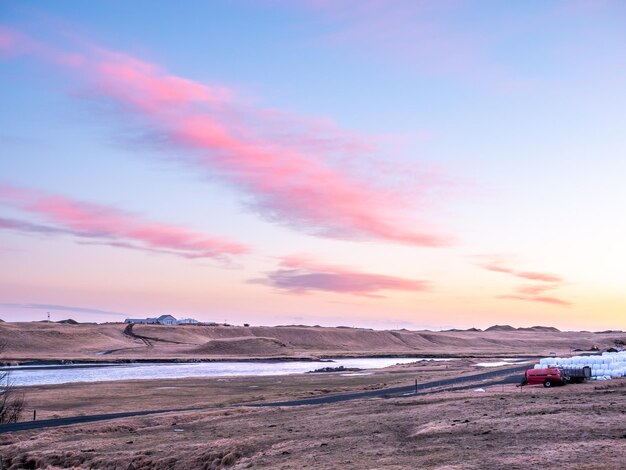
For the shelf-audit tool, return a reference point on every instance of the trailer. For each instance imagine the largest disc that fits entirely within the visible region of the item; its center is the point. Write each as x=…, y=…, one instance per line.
x=551, y=376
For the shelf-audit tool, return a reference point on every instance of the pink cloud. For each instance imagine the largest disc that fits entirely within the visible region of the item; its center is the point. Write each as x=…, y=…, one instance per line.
x=293, y=170
x=551, y=300
x=535, y=290
x=534, y=276
x=538, y=298
x=530, y=293
x=146, y=87
x=110, y=226
x=300, y=275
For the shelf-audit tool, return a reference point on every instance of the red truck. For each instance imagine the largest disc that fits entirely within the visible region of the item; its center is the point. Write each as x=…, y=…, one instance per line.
x=551, y=376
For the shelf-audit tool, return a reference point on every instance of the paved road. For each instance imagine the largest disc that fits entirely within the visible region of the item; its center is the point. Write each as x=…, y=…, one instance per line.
x=423, y=388
x=454, y=383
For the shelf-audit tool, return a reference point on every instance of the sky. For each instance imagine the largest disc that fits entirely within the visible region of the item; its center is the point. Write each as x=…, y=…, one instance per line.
x=380, y=164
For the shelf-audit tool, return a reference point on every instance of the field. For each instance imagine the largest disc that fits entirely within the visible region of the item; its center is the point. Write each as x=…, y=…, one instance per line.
x=577, y=426
x=481, y=426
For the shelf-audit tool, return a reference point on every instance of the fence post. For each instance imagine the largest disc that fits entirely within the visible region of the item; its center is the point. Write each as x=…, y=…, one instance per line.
x=415, y=391
x=34, y=419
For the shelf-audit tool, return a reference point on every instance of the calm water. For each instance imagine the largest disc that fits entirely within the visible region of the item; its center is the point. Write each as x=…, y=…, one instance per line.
x=38, y=375
x=500, y=363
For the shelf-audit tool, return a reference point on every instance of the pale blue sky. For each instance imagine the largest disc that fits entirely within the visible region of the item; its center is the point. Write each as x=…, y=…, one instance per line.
x=513, y=111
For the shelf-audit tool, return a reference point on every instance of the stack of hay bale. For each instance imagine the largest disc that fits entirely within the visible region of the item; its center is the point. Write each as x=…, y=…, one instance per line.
x=609, y=365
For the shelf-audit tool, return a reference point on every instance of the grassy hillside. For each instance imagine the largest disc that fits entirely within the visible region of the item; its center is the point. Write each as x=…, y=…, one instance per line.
x=46, y=341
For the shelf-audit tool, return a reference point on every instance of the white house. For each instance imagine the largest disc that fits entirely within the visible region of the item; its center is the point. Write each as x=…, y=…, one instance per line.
x=187, y=321
x=166, y=320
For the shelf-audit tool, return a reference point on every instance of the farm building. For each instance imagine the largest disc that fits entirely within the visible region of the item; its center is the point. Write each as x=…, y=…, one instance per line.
x=166, y=320
x=150, y=321
x=162, y=320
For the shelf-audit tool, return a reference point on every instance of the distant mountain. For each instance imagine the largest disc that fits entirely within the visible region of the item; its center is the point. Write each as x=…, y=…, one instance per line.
x=501, y=328
x=546, y=329
x=550, y=329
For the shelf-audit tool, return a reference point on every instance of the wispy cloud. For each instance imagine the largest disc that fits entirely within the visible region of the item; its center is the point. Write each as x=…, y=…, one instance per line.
x=300, y=275
x=537, y=298
x=109, y=226
x=529, y=292
x=536, y=289
x=29, y=227
x=65, y=308
x=290, y=167
x=531, y=275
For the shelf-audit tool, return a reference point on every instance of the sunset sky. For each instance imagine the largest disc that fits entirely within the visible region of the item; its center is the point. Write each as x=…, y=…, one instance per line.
x=384, y=164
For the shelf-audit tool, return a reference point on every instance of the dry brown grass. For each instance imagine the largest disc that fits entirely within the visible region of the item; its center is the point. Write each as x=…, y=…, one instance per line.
x=569, y=427
x=578, y=426
x=46, y=341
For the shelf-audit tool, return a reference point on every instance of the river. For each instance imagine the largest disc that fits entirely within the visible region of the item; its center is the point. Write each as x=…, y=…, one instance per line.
x=47, y=375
